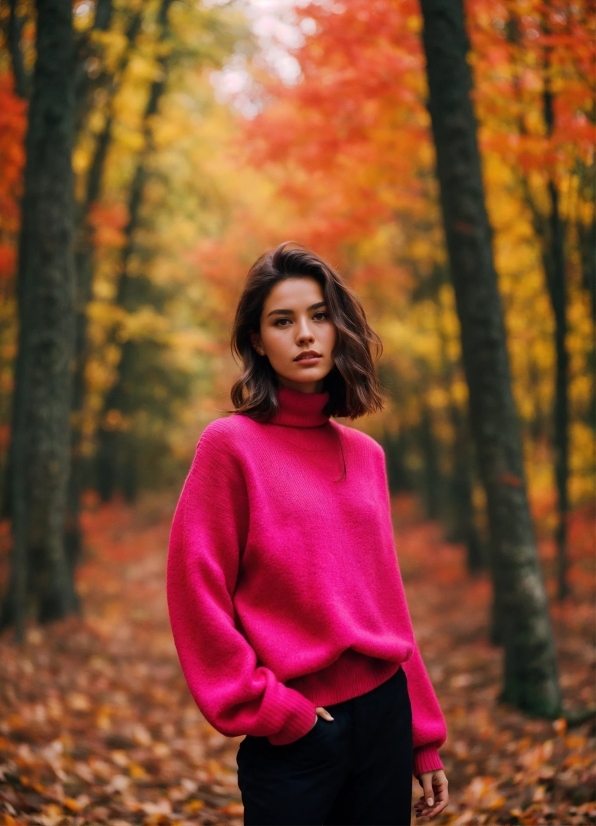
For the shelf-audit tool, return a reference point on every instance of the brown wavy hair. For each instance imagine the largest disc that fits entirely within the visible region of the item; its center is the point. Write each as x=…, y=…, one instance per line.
x=353, y=384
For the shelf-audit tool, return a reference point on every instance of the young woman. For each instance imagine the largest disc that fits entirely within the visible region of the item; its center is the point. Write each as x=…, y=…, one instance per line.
x=285, y=596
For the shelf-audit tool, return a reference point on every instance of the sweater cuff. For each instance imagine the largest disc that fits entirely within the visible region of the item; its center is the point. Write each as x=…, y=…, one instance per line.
x=426, y=759
x=299, y=724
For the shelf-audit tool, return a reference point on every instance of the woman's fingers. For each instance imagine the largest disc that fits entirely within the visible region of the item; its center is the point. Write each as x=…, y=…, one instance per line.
x=435, y=795
x=322, y=712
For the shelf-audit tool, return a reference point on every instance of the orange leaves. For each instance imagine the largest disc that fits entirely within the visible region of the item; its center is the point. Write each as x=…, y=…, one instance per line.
x=482, y=794
x=13, y=123
x=102, y=728
x=8, y=257
x=356, y=118
x=108, y=222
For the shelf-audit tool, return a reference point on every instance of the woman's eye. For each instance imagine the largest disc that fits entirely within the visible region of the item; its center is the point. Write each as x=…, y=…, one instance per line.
x=321, y=316
x=281, y=322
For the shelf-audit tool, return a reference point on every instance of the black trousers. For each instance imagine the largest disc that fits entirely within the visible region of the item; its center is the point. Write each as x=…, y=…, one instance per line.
x=354, y=770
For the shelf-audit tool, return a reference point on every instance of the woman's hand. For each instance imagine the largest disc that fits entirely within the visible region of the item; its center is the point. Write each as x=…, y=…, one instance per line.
x=322, y=712
x=435, y=795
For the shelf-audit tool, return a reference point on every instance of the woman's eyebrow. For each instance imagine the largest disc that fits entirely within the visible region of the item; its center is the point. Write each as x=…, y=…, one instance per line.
x=291, y=312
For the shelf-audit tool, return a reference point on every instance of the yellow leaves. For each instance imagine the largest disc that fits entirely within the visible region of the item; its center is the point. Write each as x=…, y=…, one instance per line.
x=233, y=809
x=136, y=771
x=96, y=121
x=103, y=719
x=141, y=736
x=112, y=39
x=193, y=806
x=536, y=757
x=113, y=43
x=128, y=139
x=145, y=323
x=459, y=392
x=438, y=398
x=144, y=69
x=71, y=804
x=114, y=420
x=166, y=133
x=80, y=159
x=482, y=794
x=575, y=741
x=52, y=815
x=78, y=702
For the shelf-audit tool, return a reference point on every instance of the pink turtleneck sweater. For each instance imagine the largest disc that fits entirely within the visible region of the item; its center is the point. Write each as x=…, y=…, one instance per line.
x=283, y=584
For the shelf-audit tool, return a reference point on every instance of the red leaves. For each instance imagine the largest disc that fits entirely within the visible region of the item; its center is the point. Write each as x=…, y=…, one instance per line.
x=13, y=123
x=108, y=222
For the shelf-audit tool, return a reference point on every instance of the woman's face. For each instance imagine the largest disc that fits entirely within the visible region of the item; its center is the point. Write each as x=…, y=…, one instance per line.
x=295, y=324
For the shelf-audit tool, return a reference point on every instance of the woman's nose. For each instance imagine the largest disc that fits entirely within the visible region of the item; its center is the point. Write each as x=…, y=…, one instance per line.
x=304, y=332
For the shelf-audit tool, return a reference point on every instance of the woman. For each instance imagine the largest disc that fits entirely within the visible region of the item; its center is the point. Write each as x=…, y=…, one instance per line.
x=285, y=596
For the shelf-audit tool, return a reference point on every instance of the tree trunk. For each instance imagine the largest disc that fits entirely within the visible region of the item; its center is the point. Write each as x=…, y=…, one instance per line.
x=84, y=265
x=114, y=447
x=587, y=249
x=41, y=580
x=530, y=680
x=431, y=470
x=555, y=276
x=461, y=488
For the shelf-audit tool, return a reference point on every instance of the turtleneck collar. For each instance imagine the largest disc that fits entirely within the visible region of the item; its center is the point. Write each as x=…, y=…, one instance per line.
x=298, y=409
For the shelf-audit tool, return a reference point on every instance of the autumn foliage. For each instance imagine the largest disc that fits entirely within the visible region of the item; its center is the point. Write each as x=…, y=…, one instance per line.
x=13, y=112
x=96, y=723
x=98, y=726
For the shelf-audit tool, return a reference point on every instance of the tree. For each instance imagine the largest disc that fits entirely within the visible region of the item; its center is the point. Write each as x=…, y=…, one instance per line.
x=41, y=580
x=84, y=261
x=530, y=680
x=116, y=465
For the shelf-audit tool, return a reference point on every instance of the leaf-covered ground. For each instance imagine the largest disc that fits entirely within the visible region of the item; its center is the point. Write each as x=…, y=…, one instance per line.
x=97, y=725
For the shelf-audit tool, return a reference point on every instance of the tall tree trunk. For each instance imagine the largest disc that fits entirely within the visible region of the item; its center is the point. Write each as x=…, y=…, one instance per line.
x=587, y=250
x=41, y=581
x=460, y=518
x=550, y=231
x=113, y=448
x=555, y=276
x=431, y=470
x=462, y=505
x=530, y=679
x=84, y=265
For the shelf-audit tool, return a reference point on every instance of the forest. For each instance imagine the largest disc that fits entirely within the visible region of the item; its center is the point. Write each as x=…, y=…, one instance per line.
x=440, y=154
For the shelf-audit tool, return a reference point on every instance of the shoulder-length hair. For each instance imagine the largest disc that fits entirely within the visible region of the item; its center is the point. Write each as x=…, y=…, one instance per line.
x=353, y=384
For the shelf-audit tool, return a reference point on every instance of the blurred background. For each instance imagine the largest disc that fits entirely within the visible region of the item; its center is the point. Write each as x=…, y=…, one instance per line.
x=200, y=134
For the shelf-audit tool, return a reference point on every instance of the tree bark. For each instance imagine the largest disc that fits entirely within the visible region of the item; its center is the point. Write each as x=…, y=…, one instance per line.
x=530, y=678
x=555, y=276
x=41, y=582
x=461, y=489
x=431, y=472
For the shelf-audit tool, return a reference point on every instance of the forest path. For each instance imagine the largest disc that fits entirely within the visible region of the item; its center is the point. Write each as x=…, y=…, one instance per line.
x=97, y=725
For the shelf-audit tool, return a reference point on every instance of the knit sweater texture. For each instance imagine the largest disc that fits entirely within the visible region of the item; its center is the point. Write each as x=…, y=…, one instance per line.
x=283, y=584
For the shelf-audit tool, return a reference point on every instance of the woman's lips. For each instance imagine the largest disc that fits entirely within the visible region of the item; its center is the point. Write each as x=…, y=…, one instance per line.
x=307, y=360
x=309, y=357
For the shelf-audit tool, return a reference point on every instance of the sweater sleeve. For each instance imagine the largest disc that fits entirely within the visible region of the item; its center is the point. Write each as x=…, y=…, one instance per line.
x=235, y=694
x=428, y=723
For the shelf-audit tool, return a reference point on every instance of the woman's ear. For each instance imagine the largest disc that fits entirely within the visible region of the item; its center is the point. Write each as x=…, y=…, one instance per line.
x=255, y=339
